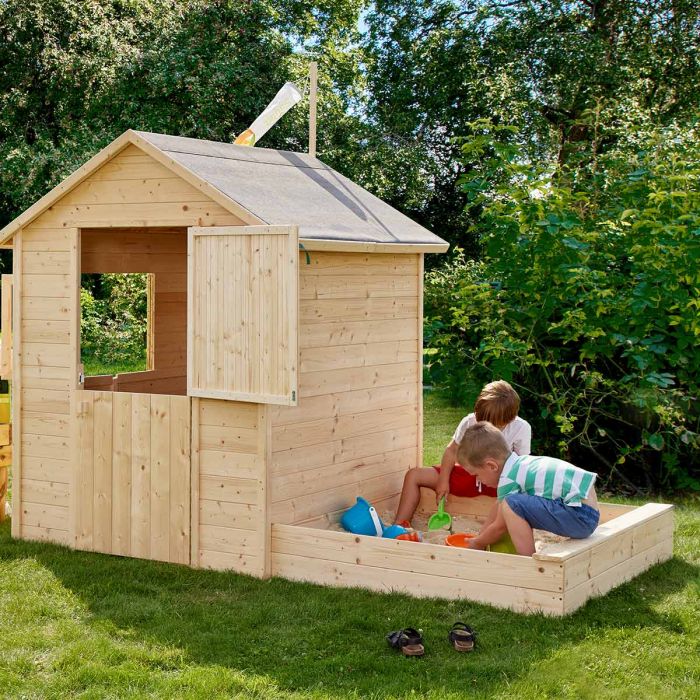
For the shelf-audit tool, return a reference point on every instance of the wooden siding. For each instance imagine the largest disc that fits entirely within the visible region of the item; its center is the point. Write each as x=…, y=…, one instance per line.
x=243, y=314
x=45, y=369
x=229, y=495
x=131, y=475
x=130, y=190
x=356, y=429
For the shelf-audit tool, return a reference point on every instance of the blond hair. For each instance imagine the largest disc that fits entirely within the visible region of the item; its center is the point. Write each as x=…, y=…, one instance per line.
x=498, y=403
x=482, y=441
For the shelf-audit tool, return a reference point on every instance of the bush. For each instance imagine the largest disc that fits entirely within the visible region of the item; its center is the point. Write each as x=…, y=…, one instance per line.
x=587, y=300
x=114, y=322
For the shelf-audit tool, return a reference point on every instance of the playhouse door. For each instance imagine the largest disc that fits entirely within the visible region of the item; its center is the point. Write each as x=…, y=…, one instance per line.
x=131, y=479
x=242, y=310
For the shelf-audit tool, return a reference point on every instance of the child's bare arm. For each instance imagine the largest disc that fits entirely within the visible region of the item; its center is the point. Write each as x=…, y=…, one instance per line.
x=449, y=458
x=490, y=532
x=491, y=516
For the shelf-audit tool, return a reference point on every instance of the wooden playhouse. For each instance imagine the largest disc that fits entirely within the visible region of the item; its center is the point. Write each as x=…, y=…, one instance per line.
x=284, y=379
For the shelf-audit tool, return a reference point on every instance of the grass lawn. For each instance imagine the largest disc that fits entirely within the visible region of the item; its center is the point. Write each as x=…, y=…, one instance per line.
x=87, y=625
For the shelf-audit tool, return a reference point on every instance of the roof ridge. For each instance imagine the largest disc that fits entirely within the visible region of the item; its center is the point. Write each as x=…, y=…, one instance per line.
x=323, y=165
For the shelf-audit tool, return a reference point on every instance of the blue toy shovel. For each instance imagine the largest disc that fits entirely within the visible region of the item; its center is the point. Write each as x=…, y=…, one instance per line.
x=441, y=519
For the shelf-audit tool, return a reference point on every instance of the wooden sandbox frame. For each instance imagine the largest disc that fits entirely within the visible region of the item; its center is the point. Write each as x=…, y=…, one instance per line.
x=555, y=582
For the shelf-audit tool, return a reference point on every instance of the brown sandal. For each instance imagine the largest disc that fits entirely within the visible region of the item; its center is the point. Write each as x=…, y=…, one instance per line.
x=408, y=640
x=462, y=637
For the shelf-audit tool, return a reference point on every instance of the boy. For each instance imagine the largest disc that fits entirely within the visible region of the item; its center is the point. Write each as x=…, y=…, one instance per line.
x=497, y=403
x=533, y=492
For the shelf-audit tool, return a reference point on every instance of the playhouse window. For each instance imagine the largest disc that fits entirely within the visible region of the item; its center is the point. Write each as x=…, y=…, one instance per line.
x=115, y=318
x=134, y=309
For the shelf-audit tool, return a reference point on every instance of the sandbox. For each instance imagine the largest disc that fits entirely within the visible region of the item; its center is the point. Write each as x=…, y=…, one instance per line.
x=557, y=580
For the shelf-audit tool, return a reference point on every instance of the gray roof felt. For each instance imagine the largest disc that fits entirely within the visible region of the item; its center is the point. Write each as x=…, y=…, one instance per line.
x=282, y=187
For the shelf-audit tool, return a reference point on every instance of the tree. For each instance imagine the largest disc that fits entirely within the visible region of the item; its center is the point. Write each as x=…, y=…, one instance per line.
x=549, y=66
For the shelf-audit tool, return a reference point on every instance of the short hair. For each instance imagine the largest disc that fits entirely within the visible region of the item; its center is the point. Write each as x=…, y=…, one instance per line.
x=498, y=403
x=482, y=441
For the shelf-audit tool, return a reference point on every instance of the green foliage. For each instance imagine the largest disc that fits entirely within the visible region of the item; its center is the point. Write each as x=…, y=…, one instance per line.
x=113, y=322
x=434, y=66
x=76, y=74
x=587, y=299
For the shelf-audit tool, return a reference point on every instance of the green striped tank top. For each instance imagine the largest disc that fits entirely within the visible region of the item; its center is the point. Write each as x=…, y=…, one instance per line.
x=545, y=476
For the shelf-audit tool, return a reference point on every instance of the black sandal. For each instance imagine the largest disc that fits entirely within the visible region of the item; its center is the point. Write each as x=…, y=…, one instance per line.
x=408, y=640
x=462, y=637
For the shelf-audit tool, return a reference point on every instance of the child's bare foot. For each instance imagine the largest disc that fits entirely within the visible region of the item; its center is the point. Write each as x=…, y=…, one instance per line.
x=475, y=544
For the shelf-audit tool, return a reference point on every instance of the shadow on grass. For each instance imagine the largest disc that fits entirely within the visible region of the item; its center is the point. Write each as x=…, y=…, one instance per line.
x=311, y=638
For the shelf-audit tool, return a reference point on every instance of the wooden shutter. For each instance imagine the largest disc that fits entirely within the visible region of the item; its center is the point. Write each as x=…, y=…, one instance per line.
x=242, y=313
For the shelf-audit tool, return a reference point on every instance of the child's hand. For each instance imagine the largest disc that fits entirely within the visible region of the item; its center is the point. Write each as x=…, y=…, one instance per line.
x=442, y=489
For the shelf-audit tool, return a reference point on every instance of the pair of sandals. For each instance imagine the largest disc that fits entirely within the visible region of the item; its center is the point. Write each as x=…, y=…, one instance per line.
x=410, y=641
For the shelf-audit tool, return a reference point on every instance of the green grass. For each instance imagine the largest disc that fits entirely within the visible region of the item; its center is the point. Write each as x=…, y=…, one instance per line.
x=74, y=624
x=94, y=367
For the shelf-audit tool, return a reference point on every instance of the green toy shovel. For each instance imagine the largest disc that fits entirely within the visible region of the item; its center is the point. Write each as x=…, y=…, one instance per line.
x=440, y=520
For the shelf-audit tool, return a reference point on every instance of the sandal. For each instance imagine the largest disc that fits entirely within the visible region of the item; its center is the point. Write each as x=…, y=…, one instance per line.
x=408, y=640
x=462, y=637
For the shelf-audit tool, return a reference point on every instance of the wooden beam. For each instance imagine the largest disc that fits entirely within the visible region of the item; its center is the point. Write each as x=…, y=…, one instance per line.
x=370, y=247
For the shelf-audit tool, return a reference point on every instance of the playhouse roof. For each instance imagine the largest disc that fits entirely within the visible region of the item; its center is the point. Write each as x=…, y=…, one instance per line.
x=268, y=186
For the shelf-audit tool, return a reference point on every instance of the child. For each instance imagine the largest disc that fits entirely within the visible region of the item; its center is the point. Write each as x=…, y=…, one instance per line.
x=497, y=403
x=533, y=492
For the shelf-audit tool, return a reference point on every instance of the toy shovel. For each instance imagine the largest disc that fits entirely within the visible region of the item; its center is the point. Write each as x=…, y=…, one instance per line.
x=441, y=519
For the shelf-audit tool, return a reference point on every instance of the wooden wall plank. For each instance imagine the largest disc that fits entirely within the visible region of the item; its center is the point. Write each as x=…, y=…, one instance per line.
x=361, y=355
x=235, y=464
x=83, y=482
x=322, y=431
x=140, y=475
x=230, y=489
x=160, y=478
x=40, y=515
x=338, y=264
x=45, y=445
x=358, y=286
x=437, y=560
x=52, y=493
x=179, y=515
x=48, y=469
x=224, y=561
x=102, y=466
x=302, y=458
x=342, y=333
x=40, y=354
x=46, y=534
x=195, y=498
x=242, y=516
x=324, y=310
x=121, y=474
x=187, y=213
x=338, y=380
x=518, y=598
x=46, y=308
x=230, y=540
x=46, y=331
x=55, y=424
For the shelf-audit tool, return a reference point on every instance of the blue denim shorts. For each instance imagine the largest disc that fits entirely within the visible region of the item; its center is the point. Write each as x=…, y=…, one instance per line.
x=554, y=516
